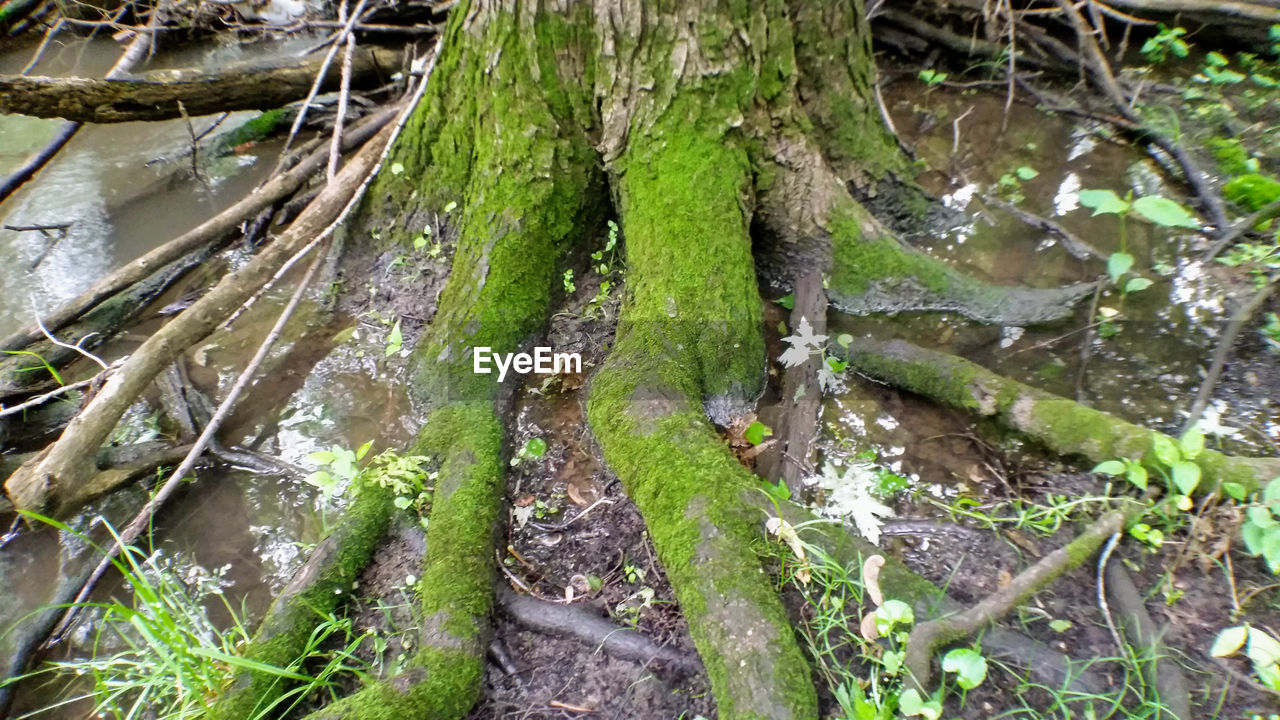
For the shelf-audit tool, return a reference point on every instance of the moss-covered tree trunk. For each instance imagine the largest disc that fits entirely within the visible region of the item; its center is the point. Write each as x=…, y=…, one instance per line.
x=697, y=122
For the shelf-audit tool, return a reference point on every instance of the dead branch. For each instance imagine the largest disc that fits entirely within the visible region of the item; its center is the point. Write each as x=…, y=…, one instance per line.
x=155, y=95
x=62, y=470
x=929, y=636
x=221, y=225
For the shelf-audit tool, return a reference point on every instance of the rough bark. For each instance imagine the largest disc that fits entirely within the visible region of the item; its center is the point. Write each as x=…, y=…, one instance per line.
x=155, y=95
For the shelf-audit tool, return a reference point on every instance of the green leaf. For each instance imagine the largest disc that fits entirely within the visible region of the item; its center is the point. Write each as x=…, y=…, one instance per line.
x=1060, y=626
x=1263, y=649
x=402, y=502
x=968, y=665
x=1271, y=493
x=450, y=207
x=1165, y=212
x=536, y=448
x=1186, y=476
x=1271, y=551
x=1192, y=442
x=1233, y=490
x=1026, y=173
x=397, y=168
x=1164, y=450
x=1137, y=284
x=891, y=614
x=1216, y=59
x=1103, y=202
x=892, y=661
x=321, y=457
x=1118, y=264
x=844, y=340
x=363, y=450
x=911, y=704
x=394, y=340
x=1110, y=467
x=1137, y=475
x=1255, y=538
x=1261, y=517
x=1229, y=641
x=756, y=432
x=788, y=301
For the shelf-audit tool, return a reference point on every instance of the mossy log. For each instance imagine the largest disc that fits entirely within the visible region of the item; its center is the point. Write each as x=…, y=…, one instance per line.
x=156, y=95
x=320, y=586
x=1064, y=426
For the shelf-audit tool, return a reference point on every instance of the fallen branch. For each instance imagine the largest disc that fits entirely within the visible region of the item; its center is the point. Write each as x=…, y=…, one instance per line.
x=41, y=484
x=929, y=636
x=1064, y=426
x=143, y=520
x=221, y=225
x=155, y=95
x=1162, y=673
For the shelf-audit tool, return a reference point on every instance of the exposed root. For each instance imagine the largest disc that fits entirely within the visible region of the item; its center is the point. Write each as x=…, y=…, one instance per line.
x=1163, y=673
x=1064, y=426
x=578, y=622
x=927, y=637
x=869, y=270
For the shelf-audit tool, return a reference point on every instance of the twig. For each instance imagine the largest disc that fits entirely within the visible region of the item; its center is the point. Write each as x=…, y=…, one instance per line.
x=1224, y=347
x=44, y=45
x=1230, y=235
x=315, y=88
x=1103, y=559
x=143, y=519
x=195, y=156
x=1071, y=242
x=41, y=399
x=930, y=635
x=344, y=89
x=48, y=335
x=1086, y=343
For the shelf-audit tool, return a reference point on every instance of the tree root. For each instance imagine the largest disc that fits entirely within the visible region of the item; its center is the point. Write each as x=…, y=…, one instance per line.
x=578, y=622
x=1163, y=674
x=869, y=270
x=316, y=589
x=931, y=635
x=1062, y=425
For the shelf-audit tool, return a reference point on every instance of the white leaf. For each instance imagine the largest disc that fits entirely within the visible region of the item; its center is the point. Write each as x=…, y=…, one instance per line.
x=794, y=356
x=849, y=494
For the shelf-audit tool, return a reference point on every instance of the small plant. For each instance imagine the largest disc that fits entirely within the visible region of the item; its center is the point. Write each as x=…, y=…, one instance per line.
x=569, y=286
x=1259, y=259
x=403, y=475
x=604, y=262
x=1261, y=529
x=1271, y=331
x=1009, y=184
x=804, y=343
x=157, y=654
x=1216, y=72
x=1173, y=461
x=1166, y=42
x=531, y=452
x=395, y=341
x=932, y=78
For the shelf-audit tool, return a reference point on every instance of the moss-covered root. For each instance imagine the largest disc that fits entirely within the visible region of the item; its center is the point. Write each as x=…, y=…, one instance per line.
x=691, y=329
x=870, y=270
x=1062, y=425
x=442, y=679
x=314, y=592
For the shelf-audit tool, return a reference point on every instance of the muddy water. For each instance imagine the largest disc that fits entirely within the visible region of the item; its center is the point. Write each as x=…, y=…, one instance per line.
x=1146, y=373
x=124, y=189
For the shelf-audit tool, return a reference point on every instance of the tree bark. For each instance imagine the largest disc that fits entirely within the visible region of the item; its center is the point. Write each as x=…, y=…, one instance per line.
x=155, y=95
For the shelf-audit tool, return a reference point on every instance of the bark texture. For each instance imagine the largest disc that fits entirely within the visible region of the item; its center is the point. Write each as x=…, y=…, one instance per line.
x=155, y=95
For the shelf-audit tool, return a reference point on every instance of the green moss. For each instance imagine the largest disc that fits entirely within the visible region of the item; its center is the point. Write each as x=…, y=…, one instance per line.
x=253, y=130
x=446, y=685
x=689, y=489
x=1231, y=155
x=1252, y=191
x=691, y=279
x=293, y=616
x=859, y=262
